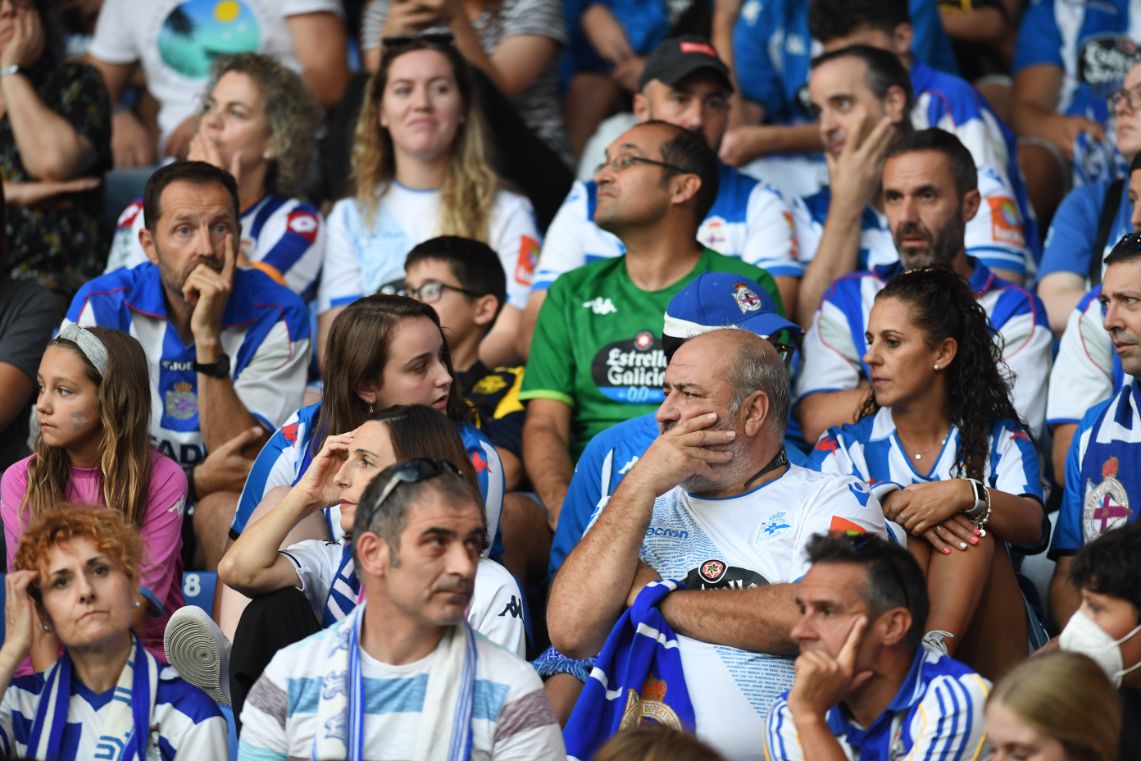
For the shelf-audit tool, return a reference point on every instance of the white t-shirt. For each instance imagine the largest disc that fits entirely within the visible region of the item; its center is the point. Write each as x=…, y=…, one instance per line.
x=495, y=611
x=176, y=40
x=360, y=258
x=755, y=539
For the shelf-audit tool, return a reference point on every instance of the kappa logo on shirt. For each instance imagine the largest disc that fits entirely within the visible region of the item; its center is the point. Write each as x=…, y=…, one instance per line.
x=600, y=306
x=512, y=608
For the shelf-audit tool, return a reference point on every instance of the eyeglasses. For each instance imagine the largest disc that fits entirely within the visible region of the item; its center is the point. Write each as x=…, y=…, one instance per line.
x=1131, y=241
x=410, y=472
x=1131, y=96
x=621, y=163
x=431, y=291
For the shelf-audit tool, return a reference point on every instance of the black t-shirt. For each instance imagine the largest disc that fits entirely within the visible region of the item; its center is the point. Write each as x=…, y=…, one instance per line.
x=495, y=394
x=28, y=314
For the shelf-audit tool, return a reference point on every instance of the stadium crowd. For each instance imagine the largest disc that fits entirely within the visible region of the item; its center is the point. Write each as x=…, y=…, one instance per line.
x=543, y=379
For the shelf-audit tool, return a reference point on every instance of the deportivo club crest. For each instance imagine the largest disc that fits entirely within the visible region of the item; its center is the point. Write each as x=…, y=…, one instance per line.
x=747, y=301
x=650, y=705
x=1106, y=505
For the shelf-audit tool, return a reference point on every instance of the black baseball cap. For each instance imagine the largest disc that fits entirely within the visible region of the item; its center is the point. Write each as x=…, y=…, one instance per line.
x=678, y=57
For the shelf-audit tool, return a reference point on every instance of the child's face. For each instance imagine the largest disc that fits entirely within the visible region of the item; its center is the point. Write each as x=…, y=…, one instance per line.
x=456, y=309
x=67, y=406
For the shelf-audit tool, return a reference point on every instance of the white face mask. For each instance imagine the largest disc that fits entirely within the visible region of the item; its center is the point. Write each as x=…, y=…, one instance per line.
x=1082, y=635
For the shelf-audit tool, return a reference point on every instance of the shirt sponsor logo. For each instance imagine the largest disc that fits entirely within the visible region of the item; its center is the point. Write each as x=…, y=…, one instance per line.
x=303, y=223
x=127, y=218
x=600, y=306
x=1105, y=60
x=631, y=372
x=716, y=574
x=525, y=262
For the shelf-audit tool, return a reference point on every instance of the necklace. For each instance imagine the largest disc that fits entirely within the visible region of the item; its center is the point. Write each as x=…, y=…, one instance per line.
x=919, y=455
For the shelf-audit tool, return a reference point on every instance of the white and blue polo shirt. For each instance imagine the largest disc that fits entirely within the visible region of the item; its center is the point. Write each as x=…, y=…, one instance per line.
x=936, y=714
x=1087, y=370
x=265, y=331
x=283, y=237
x=749, y=220
x=834, y=346
x=1103, y=472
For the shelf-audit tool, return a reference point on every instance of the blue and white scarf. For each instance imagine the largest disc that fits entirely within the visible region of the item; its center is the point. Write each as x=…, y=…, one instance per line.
x=445, y=732
x=638, y=677
x=345, y=590
x=125, y=734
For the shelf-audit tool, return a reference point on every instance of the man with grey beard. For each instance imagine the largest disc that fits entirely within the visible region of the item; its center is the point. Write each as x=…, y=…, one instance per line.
x=713, y=502
x=929, y=194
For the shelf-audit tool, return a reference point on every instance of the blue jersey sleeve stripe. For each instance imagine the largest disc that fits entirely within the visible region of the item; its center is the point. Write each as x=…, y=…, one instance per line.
x=344, y=300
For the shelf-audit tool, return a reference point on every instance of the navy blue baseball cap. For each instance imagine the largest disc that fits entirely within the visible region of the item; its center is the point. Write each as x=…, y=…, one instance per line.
x=715, y=300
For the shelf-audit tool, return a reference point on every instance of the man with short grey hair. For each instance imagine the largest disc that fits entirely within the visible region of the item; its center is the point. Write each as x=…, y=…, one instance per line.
x=713, y=502
x=403, y=675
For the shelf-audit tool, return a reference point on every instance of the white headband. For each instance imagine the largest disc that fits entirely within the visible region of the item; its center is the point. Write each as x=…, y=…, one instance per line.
x=89, y=345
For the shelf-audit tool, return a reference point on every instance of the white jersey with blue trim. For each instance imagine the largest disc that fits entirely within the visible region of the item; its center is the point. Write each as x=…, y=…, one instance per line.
x=950, y=103
x=834, y=346
x=265, y=332
x=186, y=721
x=870, y=450
x=749, y=220
x=749, y=540
x=937, y=714
x=283, y=237
x=1103, y=472
x=287, y=454
x=994, y=235
x=362, y=258
x=1087, y=370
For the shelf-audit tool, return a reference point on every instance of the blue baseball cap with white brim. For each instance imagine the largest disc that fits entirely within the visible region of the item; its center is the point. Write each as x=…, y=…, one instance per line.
x=715, y=300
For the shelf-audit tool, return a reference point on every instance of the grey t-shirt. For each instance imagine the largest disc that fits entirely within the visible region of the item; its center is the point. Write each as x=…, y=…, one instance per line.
x=538, y=106
x=28, y=314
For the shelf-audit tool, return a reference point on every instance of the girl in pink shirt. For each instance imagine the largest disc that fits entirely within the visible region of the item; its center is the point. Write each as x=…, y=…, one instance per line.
x=93, y=408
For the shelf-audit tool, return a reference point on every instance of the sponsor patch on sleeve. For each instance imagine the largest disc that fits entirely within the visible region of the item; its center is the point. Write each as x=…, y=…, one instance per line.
x=129, y=215
x=845, y=526
x=527, y=259
x=304, y=223
x=1005, y=225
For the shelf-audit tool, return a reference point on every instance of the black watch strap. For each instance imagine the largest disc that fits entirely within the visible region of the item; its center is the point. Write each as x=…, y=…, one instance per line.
x=219, y=368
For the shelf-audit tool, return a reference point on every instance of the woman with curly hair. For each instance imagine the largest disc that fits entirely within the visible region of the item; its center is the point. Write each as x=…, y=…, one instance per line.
x=260, y=123
x=939, y=440
x=420, y=170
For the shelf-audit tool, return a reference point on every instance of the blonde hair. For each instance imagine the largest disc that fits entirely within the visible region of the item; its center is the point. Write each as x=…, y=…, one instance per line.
x=1068, y=697
x=124, y=447
x=468, y=192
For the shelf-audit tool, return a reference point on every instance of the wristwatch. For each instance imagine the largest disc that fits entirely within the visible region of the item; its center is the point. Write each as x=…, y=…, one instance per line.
x=219, y=368
x=13, y=68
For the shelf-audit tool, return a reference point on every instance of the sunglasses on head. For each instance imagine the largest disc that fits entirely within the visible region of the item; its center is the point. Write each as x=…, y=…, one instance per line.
x=411, y=472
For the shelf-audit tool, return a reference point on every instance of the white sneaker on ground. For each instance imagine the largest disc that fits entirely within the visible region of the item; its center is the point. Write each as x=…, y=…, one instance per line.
x=199, y=651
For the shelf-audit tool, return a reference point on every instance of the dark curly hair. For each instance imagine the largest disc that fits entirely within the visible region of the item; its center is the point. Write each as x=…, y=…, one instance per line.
x=942, y=305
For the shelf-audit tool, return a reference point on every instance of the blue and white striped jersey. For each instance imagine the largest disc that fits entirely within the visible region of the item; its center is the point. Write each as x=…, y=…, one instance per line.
x=1087, y=370
x=286, y=456
x=994, y=236
x=1103, y=472
x=834, y=346
x=282, y=237
x=1073, y=231
x=937, y=714
x=188, y=723
x=870, y=450
x=265, y=331
x=749, y=220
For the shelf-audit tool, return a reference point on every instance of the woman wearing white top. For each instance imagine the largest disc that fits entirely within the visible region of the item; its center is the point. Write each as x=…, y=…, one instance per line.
x=420, y=170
